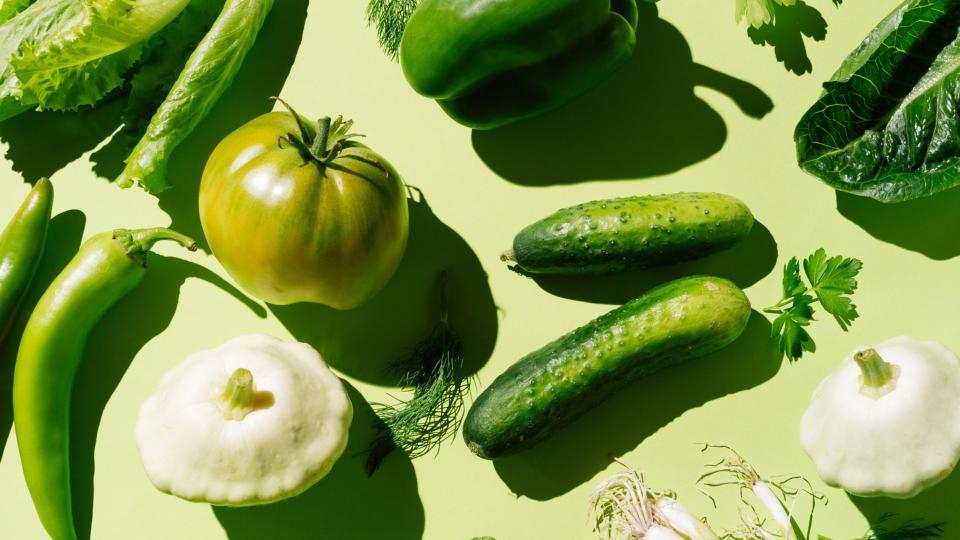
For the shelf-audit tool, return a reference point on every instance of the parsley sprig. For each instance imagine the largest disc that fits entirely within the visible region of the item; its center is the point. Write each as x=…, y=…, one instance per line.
x=831, y=282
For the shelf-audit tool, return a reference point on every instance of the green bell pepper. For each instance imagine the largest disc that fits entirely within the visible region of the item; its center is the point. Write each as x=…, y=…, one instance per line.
x=489, y=63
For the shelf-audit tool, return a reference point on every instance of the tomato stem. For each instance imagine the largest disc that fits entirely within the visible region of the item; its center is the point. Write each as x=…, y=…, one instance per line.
x=318, y=148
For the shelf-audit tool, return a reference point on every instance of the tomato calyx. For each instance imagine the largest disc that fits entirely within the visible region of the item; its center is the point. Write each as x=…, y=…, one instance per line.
x=319, y=141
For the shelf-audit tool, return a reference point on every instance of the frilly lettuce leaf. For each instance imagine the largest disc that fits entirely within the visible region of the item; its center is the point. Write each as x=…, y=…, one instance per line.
x=206, y=75
x=65, y=54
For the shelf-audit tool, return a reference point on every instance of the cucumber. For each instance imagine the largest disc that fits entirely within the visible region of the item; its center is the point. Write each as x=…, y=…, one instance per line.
x=550, y=387
x=632, y=232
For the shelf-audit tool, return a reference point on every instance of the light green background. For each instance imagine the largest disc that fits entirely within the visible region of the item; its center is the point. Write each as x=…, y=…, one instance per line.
x=644, y=132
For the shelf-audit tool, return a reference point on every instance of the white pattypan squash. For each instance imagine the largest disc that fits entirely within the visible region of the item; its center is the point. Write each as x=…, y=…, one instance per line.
x=887, y=421
x=252, y=421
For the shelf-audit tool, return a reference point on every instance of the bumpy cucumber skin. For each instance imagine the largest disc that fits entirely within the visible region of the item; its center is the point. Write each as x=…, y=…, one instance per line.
x=552, y=386
x=632, y=232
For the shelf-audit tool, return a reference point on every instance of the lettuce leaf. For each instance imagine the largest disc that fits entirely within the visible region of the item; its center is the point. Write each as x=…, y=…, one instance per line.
x=10, y=8
x=887, y=124
x=165, y=56
x=206, y=75
x=66, y=54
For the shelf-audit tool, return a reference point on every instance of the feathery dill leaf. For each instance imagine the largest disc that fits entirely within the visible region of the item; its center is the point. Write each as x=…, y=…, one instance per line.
x=390, y=18
x=433, y=371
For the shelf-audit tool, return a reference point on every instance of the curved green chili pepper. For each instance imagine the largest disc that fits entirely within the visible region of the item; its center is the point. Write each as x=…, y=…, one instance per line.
x=106, y=268
x=21, y=245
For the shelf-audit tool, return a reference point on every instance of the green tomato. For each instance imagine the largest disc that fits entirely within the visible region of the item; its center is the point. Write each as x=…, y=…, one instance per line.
x=297, y=211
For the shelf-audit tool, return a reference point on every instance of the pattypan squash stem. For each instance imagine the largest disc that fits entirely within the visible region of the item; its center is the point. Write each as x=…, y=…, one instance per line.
x=878, y=377
x=238, y=396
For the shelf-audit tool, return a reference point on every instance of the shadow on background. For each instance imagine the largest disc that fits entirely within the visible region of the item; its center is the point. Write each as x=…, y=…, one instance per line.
x=785, y=35
x=63, y=238
x=41, y=143
x=935, y=505
x=116, y=340
x=343, y=504
x=640, y=410
x=363, y=342
x=643, y=121
x=920, y=225
x=745, y=264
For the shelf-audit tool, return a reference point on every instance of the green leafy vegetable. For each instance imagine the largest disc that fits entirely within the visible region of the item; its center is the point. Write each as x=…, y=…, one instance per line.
x=207, y=74
x=66, y=54
x=390, y=18
x=832, y=280
x=433, y=371
x=886, y=125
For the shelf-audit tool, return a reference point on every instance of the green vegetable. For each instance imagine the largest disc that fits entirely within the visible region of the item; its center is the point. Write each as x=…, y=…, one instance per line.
x=390, y=18
x=65, y=54
x=299, y=211
x=832, y=281
x=208, y=73
x=550, y=387
x=253, y=421
x=616, y=234
x=885, y=423
x=106, y=268
x=886, y=125
x=432, y=415
x=492, y=63
x=21, y=245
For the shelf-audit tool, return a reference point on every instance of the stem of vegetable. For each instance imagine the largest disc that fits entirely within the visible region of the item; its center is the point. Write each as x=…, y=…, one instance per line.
x=319, y=146
x=137, y=243
x=508, y=256
x=238, y=396
x=878, y=377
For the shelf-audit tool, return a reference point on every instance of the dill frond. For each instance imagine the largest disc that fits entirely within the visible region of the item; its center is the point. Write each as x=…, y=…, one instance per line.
x=390, y=18
x=433, y=372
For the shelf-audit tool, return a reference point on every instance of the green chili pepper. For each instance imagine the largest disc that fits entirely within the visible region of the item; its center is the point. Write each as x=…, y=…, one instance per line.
x=21, y=245
x=492, y=63
x=106, y=268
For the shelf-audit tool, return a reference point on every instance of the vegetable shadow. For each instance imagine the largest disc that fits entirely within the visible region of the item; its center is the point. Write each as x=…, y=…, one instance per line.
x=919, y=225
x=581, y=450
x=937, y=504
x=63, y=240
x=364, y=342
x=785, y=35
x=644, y=121
x=41, y=143
x=744, y=264
x=345, y=504
x=118, y=337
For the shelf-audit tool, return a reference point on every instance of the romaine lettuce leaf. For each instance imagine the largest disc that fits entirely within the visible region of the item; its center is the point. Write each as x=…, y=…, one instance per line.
x=65, y=54
x=207, y=74
x=887, y=125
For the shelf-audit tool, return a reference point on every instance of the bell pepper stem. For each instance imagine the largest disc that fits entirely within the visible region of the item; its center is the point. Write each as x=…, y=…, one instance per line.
x=878, y=377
